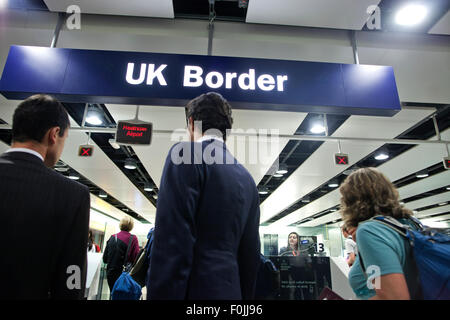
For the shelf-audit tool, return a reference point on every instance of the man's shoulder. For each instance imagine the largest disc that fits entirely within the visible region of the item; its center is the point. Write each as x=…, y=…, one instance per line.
x=62, y=181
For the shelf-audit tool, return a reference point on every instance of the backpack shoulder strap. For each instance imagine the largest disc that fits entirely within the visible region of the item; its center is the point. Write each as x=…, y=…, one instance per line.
x=128, y=250
x=392, y=223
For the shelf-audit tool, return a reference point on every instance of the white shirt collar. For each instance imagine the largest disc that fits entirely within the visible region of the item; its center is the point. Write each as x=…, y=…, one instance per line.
x=207, y=137
x=37, y=154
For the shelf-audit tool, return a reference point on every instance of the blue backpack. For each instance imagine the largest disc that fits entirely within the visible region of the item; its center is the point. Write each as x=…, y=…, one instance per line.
x=431, y=250
x=125, y=287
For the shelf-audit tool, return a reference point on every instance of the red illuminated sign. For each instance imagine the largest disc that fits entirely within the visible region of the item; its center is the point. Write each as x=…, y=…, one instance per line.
x=341, y=158
x=447, y=163
x=85, y=151
x=134, y=132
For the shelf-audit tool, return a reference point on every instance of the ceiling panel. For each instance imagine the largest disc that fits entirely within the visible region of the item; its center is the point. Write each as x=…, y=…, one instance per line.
x=317, y=169
x=173, y=118
x=141, y=8
x=342, y=14
x=439, y=198
x=437, y=210
x=417, y=158
x=442, y=26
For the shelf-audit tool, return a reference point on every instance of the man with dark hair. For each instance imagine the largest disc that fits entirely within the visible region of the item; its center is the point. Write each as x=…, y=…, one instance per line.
x=206, y=240
x=45, y=215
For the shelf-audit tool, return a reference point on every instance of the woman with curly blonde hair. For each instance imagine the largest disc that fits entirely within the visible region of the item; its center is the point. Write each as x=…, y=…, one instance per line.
x=386, y=256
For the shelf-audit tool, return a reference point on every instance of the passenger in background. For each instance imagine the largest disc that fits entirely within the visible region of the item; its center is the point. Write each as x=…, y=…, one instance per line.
x=116, y=247
x=350, y=245
x=367, y=193
x=92, y=246
x=293, y=247
x=206, y=243
x=45, y=215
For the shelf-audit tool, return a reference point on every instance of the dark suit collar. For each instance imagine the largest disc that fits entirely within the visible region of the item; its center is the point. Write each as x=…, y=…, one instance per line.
x=18, y=155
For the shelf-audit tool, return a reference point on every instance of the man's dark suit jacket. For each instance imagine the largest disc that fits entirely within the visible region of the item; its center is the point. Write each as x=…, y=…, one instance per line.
x=206, y=242
x=45, y=223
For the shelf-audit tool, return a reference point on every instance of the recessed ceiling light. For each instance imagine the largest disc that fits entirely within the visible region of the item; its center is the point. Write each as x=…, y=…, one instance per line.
x=410, y=15
x=382, y=156
x=306, y=199
x=317, y=128
x=130, y=164
x=333, y=183
x=282, y=169
x=422, y=174
x=94, y=118
x=263, y=191
x=277, y=175
x=114, y=144
x=102, y=194
x=148, y=187
x=74, y=176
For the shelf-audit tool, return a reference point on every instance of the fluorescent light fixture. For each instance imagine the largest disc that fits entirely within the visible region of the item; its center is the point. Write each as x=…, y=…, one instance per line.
x=102, y=194
x=383, y=155
x=411, y=15
x=333, y=183
x=148, y=187
x=333, y=210
x=94, y=118
x=130, y=164
x=402, y=203
x=74, y=176
x=443, y=203
x=422, y=174
x=62, y=169
x=448, y=188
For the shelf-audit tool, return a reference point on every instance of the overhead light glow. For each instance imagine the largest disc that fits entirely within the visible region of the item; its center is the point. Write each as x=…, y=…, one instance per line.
x=317, y=128
x=410, y=15
x=148, y=188
x=448, y=188
x=442, y=203
x=102, y=194
x=382, y=156
x=263, y=191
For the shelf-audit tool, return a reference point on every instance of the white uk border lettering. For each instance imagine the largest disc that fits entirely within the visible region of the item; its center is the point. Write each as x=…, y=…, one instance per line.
x=193, y=77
